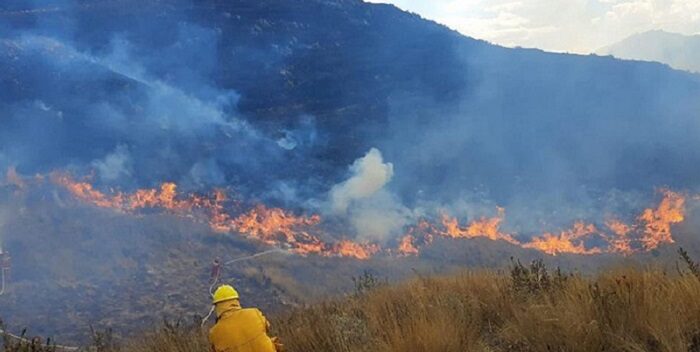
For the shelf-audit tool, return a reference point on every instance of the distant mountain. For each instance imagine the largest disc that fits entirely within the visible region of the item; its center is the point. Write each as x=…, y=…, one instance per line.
x=676, y=50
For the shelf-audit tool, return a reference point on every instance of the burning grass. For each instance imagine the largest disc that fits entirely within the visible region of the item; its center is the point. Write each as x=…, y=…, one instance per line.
x=300, y=233
x=528, y=309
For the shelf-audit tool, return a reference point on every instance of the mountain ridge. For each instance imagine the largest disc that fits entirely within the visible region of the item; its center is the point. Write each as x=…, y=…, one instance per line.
x=679, y=51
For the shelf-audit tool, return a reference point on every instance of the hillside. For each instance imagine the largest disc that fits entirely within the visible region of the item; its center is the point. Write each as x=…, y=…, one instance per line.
x=676, y=50
x=322, y=82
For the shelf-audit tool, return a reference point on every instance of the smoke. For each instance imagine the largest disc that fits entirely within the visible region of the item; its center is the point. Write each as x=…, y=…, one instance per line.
x=369, y=174
x=115, y=165
x=378, y=218
x=373, y=211
x=141, y=127
x=207, y=97
x=549, y=161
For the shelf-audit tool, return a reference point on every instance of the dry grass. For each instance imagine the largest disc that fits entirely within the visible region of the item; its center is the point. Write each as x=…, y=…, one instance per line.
x=529, y=309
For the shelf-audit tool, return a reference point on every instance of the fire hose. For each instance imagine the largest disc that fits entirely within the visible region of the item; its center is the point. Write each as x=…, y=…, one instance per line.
x=2, y=289
x=216, y=279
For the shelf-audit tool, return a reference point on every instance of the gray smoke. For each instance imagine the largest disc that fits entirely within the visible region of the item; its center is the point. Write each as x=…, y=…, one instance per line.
x=114, y=166
x=369, y=175
x=277, y=104
x=374, y=213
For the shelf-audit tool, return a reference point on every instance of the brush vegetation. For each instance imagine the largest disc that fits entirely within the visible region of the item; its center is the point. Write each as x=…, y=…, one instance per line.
x=528, y=308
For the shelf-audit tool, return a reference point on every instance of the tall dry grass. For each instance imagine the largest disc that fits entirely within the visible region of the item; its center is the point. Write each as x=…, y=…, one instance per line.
x=528, y=309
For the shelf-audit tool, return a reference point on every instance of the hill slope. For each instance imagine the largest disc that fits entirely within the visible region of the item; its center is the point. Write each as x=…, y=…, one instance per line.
x=161, y=91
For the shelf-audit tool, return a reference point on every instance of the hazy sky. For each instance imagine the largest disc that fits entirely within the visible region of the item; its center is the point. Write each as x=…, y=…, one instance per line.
x=581, y=26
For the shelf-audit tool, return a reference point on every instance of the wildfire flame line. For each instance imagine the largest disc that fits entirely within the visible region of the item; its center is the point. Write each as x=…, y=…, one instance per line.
x=273, y=226
x=651, y=229
x=280, y=227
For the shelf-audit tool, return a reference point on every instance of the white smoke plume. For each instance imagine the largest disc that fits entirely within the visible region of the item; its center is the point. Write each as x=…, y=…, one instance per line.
x=369, y=175
x=114, y=165
x=373, y=212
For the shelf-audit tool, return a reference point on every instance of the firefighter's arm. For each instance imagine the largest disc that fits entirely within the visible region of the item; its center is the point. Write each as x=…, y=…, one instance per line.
x=211, y=342
x=279, y=347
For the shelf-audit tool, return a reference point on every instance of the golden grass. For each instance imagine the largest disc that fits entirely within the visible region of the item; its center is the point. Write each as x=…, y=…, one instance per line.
x=619, y=310
x=528, y=309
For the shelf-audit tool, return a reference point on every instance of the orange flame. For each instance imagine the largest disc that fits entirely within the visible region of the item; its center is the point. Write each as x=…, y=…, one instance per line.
x=355, y=250
x=407, y=246
x=13, y=178
x=85, y=192
x=420, y=233
x=273, y=226
x=657, y=222
x=568, y=241
x=281, y=227
x=484, y=227
x=620, y=242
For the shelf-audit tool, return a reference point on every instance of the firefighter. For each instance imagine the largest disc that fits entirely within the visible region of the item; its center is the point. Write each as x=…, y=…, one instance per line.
x=239, y=329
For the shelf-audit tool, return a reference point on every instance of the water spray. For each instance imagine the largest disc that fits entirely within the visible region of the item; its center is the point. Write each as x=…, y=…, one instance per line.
x=2, y=287
x=2, y=270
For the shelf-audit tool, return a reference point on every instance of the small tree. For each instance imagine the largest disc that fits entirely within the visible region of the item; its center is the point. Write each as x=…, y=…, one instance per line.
x=367, y=282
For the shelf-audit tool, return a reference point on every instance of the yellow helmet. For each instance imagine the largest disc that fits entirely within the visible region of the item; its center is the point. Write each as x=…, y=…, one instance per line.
x=224, y=293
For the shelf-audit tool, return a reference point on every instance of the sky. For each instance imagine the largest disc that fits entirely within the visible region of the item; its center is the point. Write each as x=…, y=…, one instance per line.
x=576, y=26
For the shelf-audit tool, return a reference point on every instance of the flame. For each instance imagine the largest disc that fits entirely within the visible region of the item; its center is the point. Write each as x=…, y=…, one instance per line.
x=407, y=246
x=568, y=241
x=620, y=242
x=85, y=192
x=355, y=250
x=13, y=178
x=300, y=233
x=418, y=234
x=483, y=227
x=164, y=197
x=657, y=222
x=273, y=226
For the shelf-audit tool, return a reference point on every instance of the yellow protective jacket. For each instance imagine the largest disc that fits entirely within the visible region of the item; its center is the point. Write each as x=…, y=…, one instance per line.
x=240, y=330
